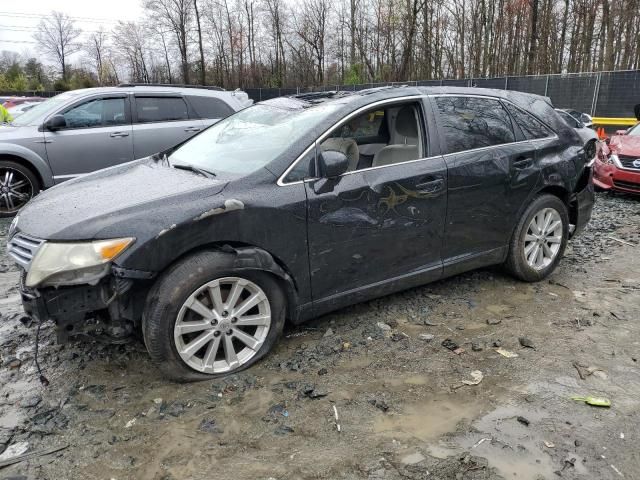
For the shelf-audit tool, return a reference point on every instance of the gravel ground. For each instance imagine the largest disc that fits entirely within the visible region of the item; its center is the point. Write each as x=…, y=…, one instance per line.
x=403, y=409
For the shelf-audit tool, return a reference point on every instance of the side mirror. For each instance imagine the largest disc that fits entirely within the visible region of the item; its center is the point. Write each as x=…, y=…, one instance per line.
x=332, y=164
x=55, y=123
x=621, y=132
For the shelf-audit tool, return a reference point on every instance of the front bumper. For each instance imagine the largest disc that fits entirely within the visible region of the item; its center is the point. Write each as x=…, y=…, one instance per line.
x=111, y=308
x=610, y=177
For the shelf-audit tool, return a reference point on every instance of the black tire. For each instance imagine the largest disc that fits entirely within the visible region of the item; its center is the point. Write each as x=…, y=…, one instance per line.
x=173, y=288
x=516, y=263
x=32, y=190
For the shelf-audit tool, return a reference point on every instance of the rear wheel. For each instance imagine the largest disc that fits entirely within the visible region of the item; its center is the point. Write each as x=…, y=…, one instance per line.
x=203, y=319
x=539, y=239
x=18, y=185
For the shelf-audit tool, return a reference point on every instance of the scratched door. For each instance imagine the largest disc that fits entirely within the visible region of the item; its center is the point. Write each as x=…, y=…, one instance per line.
x=375, y=224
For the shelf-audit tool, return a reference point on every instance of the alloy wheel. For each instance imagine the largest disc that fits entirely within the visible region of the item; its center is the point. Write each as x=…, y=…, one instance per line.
x=15, y=190
x=222, y=325
x=543, y=238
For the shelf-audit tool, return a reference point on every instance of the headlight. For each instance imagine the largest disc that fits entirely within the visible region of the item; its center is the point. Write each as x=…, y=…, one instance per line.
x=609, y=160
x=73, y=263
x=13, y=226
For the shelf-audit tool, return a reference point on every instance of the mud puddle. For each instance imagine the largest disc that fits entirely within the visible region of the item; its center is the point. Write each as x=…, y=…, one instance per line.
x=427, y=420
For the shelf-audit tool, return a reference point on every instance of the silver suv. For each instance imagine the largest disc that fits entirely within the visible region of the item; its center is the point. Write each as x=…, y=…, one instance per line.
x=84, y=130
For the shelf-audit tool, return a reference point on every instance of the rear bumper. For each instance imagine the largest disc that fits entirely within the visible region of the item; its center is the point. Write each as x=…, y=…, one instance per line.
x=610, y=177
x=582, y=203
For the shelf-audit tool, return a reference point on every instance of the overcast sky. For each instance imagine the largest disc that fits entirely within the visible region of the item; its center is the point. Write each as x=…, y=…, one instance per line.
x=19, y=18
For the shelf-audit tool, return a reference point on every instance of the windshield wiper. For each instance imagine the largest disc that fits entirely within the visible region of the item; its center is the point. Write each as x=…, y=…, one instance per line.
x=193, y=168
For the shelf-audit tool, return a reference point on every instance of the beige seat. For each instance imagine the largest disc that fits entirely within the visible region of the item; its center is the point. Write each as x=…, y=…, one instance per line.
x=348, y=146
x=407, y=132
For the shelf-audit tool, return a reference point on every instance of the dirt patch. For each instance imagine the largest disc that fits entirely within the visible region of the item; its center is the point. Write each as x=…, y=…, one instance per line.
x=404, y=411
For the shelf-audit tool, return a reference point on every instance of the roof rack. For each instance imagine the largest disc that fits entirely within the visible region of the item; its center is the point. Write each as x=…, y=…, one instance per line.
x=175, y=85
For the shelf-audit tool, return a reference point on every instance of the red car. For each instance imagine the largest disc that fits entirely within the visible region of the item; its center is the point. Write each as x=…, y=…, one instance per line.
x=13, y=101
x=617, y=165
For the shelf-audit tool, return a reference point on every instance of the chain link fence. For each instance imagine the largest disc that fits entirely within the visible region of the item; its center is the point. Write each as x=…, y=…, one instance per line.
x=601, y=94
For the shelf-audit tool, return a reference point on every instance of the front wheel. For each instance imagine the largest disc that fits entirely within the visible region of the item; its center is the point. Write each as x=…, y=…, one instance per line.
x=18, y=185
x=539, y=239
x=203, y=319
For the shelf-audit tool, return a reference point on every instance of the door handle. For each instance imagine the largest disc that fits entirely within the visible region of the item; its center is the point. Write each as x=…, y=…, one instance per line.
x=192, y=129
x=431, y=186
x=523, y=162
x=119, y=134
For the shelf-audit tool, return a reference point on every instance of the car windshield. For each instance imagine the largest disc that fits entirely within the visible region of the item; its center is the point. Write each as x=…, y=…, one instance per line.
x=35, y=114
x=634, y=131
x=250, y=139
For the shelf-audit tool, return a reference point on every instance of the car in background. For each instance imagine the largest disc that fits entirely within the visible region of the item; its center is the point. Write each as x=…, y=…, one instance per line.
x=296, y=207
x=81, y=131
x=582, y=117
x=617, y=165
x=14, y=101
x=587, y=134
x=18, y=110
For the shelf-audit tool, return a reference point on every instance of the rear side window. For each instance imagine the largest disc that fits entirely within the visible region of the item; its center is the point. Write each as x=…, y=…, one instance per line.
x=473, y=122
x=531, y=127
x=210, y=107
x=161, y=109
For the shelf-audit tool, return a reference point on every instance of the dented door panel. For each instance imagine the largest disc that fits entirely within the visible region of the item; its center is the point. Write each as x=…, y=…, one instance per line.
x=487, y=189
x=375, y=224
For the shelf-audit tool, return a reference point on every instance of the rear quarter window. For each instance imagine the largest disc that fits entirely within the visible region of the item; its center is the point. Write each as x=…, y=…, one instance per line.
x=531, y=127
x=210, y=107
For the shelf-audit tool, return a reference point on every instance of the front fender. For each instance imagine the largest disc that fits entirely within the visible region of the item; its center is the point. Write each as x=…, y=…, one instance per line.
x=32, y=159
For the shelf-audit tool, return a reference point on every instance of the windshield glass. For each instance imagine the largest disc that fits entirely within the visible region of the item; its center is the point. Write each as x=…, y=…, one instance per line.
x=634, y=131
x=35, y=114
x=250, y=139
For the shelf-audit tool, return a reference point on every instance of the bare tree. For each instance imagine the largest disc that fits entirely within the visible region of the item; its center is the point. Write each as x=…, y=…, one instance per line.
x=203, y=69
x=96, y=47
x=176, y=15
x=57, y=36
x=130, y=42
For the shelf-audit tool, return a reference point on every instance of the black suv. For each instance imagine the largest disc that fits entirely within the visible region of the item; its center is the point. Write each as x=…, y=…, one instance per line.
x=298, y=206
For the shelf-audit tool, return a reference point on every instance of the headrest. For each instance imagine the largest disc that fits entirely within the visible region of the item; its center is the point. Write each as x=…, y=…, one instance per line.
x=406, y=122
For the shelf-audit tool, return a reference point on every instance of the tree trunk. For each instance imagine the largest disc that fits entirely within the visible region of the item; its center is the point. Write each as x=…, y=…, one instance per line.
x=203, y=72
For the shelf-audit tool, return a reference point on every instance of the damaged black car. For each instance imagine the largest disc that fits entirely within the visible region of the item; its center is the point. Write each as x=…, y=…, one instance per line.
x=296, y=207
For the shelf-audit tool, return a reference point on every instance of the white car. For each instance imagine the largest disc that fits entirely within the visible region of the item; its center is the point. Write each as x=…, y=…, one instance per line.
x=587, y=134
x=18, y=110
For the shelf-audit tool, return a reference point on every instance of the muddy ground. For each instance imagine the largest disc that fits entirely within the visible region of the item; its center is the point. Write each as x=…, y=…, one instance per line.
x=403, y=409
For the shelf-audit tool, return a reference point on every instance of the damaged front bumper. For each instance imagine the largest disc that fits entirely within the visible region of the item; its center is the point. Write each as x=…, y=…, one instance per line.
x=110, y=310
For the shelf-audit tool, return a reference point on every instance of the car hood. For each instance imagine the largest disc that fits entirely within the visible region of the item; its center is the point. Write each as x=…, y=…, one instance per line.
x=11, y=132
x=587, y=134
x=118, y=201
x=625, y=145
